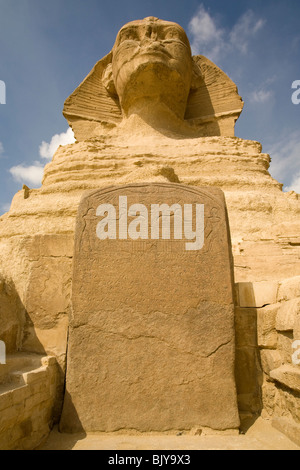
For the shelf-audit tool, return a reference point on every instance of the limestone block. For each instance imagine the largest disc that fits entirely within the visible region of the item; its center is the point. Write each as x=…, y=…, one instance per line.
x=270, y=360
x=287, y=404
x=297, y=328
x=284, y=346
x=20, y=394
x=55, y=338
x=266, y=332
x=39, y=387
x=269, y=394
x=49, y=246
x=158, y=319
x=9, y=416
x=287, y=315
x=287, y=427
x=287, y=375
x=289, y=289
x=5, y=400
x=256, y=294
x=36, y=375
x=49, y=361
x=10, y=437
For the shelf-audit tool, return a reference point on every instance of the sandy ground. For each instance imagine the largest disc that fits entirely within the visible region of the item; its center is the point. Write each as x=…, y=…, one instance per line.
x=259, y=436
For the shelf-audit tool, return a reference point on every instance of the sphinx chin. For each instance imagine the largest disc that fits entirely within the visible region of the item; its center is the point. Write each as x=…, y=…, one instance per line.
x=152, y=81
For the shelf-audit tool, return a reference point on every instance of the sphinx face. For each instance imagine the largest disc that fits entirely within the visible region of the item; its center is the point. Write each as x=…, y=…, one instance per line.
x=152, y=58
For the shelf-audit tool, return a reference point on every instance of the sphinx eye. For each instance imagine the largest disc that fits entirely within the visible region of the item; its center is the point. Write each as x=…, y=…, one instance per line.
x=172, y=34
x=176, y=35
x=128, y=35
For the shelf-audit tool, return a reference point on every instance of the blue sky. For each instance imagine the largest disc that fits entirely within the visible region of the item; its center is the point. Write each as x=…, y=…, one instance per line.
x=47, y=48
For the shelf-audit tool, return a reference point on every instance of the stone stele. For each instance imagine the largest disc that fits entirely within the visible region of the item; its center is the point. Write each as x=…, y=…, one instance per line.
x=151, y=342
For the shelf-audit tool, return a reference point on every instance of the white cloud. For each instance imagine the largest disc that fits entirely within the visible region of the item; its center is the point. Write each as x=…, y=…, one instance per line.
x=1, y=149
x=295, y=184
x=47, y=150
x=214, y=41
x=261, y=96
x=31, y=175
x=203, y=26
x=264, y=92
x=207, y=37
x=245, y=28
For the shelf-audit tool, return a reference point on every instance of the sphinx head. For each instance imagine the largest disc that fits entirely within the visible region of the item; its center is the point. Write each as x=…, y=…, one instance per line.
x=151, y=76
x=151, y=64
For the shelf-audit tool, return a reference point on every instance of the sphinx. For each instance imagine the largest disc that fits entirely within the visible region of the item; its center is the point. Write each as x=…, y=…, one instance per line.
x=150, y=112
x=150, y=77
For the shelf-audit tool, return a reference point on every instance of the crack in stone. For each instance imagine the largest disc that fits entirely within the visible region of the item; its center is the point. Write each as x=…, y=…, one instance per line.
x=219, y=347
x=171, y=346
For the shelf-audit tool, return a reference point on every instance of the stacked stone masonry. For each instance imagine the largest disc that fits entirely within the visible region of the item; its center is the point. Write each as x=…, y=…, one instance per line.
x=268, y=352
x=27, y=399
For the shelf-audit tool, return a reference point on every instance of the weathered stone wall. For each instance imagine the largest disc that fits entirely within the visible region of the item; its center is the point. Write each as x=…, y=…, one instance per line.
x=268, y=375
x=26, y=405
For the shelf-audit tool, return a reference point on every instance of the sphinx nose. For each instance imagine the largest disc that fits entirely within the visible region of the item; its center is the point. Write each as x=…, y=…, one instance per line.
x=151, y=33
x=149, y=44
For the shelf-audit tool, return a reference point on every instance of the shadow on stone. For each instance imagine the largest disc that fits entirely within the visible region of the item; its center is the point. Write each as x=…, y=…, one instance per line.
x=248, y=370
x=70, y=422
